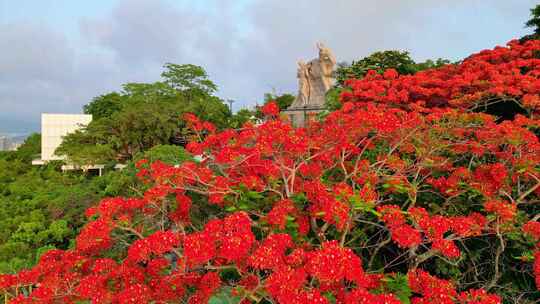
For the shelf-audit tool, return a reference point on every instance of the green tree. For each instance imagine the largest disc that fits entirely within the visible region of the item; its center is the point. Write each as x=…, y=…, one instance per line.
x=145, y=115
x=431, y=64
x=42, y=208
x=188, y=78
x=104, y=105
x=241, y=117
x=123, y=135
x=134, y=93
x=85, y=154
x=283, y=101
x=39, y=207
x=401, y=61
x=378, y=61
x=169, y=154
x=534, y=22
x=30, y=148
x=27, y=151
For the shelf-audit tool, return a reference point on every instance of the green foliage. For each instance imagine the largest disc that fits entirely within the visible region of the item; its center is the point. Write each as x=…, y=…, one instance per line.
x=332, y=99
x=188, y=78
x=30, y=148
x=172, y=155
x=431, y=64
x=104, y=105
x=283, y=101
x=534, y=22
x=139, y=128
x=224, y=297
x=147, y=93
x=398, y=284
x=144, y=115
x=82, y=154
x=240, y=118
x=28, y=220
x=42, y=208
x=378, y=61
x=401, y=61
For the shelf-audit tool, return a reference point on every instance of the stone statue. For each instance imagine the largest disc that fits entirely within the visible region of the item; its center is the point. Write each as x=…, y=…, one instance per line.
x=327, y=62
x=314, y=79
x=303, y=84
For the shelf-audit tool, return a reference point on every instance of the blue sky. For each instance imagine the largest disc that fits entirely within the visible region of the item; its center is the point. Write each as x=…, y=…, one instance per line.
x=57, y=55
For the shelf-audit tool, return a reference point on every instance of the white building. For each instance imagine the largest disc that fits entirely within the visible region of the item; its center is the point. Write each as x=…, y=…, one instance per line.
x=53, y=128
x=4, y=143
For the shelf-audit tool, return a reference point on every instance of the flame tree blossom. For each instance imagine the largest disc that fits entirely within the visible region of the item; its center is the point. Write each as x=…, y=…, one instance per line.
x=405, y=194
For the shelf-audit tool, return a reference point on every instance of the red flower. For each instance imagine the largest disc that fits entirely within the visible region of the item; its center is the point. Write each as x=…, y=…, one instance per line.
x=199, y=248
x=506, y=211
x=446, y=247
x=390, y=74
x=270, y=109
x=278, y=215
x=533, y=229
x=406, y=236
x=333, y=263
x=271, y=254
x=158, y=243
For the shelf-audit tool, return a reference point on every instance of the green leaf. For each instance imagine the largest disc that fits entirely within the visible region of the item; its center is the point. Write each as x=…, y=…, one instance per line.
x=399, y=285
x=230, y=209
x=330, y=297
x=254, y=195
x=224, y=297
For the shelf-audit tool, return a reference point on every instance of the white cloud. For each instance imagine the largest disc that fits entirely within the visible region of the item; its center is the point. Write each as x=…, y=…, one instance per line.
x=248, y=48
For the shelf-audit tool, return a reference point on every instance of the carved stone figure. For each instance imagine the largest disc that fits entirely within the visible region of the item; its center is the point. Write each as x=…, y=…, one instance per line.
x=303, y=84
x=327, y=62
x=314, y=80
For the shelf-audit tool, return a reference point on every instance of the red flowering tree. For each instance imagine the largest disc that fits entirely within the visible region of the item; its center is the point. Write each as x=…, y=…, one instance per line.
x=405, y=195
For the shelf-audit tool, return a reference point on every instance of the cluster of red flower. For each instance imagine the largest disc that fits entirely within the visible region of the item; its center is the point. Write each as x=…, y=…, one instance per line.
x=433, y=227
x=322, y=204
x=509, y=72
x=435, y=290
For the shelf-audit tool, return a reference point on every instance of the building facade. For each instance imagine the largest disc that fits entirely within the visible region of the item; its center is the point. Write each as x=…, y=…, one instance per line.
x=53, y=128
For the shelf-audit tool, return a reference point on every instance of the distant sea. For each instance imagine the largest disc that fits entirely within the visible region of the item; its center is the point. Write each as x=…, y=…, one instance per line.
x=18, y=139
x=15, y=138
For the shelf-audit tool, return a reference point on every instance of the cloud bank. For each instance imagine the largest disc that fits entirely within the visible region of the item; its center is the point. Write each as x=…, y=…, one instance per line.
x=248, y=47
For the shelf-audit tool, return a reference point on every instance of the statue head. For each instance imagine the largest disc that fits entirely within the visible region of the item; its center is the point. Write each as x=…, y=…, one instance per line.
x=325, y=54
x=326, y=59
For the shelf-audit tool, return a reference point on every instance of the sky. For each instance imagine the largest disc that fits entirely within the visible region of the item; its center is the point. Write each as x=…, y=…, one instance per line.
x=56, y=55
